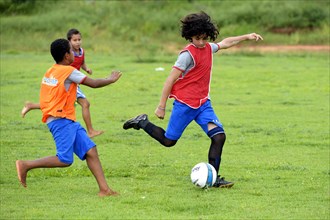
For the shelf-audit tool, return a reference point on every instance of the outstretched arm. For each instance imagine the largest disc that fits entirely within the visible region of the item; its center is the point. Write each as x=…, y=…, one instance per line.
x=171, y=79
x=97, y=83
x=232, y=41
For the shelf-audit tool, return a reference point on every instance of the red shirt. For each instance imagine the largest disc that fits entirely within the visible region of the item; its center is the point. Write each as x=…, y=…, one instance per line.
x=79, y=59
x=193, y=88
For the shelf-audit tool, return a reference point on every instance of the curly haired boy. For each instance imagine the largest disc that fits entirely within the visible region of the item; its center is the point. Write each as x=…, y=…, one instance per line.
x=189, y=84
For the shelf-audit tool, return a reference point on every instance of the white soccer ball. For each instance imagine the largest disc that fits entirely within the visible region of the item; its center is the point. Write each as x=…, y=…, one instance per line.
x=203, y=175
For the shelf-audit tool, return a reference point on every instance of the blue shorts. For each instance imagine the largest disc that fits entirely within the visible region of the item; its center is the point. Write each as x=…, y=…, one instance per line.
x=70, y=137
x=80, y=94
x=182, y=115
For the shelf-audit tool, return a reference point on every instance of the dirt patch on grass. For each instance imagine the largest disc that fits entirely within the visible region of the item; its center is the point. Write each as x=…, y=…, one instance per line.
x=175, y=48
x=282, y=48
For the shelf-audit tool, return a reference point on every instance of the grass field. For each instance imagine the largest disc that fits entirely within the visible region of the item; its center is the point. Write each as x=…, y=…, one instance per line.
x=275, y=109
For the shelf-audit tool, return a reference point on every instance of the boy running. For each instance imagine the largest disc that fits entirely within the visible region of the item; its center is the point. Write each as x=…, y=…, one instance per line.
x=189, y=84
x=75, y=38
x=57, y=97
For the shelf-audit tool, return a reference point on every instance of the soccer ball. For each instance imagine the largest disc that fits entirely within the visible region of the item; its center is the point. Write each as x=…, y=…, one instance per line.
x=203, y=175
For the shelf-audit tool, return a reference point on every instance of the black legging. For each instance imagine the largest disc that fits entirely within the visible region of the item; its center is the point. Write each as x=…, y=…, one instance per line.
x=158, y=134
x=217, y=142
x=215, y=152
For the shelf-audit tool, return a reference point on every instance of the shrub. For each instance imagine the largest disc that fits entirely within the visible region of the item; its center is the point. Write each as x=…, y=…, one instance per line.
x=17, y=6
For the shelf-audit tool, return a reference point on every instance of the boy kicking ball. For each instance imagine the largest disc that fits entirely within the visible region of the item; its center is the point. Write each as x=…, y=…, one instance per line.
x=189, y=84
x=57, y=97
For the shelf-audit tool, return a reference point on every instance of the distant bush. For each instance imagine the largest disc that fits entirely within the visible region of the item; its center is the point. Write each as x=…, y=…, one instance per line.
x=17, y=6
x=277, y=14
x=306, y=16
x=153, y=26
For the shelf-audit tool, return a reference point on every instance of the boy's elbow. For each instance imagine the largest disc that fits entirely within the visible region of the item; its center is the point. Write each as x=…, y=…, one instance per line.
x=223, y=45
x=91, y=85
x=96, y=85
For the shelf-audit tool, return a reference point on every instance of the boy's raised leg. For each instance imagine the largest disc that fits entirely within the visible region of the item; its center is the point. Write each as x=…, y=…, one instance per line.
x=29, y=106
x=93, y=133
x=87, y=118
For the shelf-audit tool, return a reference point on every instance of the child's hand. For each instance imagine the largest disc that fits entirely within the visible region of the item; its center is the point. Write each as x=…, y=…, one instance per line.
x=89, y=71
x=160, y=112
x=115, y=75
x=254, y=36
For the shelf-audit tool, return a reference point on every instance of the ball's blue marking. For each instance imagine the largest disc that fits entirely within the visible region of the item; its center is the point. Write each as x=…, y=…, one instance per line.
x=209, y=175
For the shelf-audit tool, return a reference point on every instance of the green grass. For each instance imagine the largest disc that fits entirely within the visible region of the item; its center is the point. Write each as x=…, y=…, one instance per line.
x=275, y=109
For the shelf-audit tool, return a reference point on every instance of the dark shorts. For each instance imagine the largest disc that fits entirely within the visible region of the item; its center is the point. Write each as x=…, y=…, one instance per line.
x=70, y=137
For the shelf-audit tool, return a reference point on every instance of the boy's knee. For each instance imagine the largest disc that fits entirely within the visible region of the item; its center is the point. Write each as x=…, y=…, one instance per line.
x=220, y=137
x=169, y=143
x=92, y=152
x=84, y=103
x=217, y=134
x=67, y=163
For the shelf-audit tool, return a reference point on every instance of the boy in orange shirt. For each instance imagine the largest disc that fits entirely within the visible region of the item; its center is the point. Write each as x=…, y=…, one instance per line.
x=57, y=97
x=75, y=38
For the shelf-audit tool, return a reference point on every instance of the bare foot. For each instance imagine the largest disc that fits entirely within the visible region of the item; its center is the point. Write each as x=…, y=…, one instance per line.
x=94, y=133
x=109, y=192
x=24, y=111
x=27, y=107
x=21, y=172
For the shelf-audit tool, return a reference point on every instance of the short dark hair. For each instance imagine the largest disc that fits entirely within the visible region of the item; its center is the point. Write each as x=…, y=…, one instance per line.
x=59, y=48
x=197, y=24
x=72, y=32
